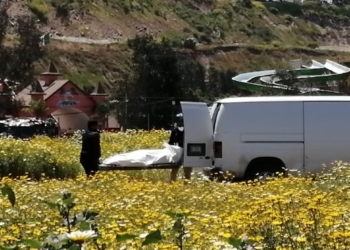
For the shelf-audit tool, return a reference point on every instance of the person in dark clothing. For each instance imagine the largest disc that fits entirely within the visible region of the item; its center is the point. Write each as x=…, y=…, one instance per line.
x=91, y=149
x=177, y=138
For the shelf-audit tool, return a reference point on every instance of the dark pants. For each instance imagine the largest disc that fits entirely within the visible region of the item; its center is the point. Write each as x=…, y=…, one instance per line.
x=90, y=165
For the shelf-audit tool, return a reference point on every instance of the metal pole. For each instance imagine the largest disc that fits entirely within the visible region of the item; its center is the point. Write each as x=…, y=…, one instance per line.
x=173, y=113
x=126, y=110
x=148, y=120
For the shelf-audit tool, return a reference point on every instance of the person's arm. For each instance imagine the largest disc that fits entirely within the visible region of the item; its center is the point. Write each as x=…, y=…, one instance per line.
x=84, y=144
x=99, y=146
x=172, y=139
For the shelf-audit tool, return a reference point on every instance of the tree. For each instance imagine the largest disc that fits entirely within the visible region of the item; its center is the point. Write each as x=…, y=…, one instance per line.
x=17, y=61
x=38, y=108
x=160, y=76
x=288, y=78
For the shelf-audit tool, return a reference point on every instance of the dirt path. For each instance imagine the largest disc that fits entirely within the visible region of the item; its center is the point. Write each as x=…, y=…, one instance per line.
x=83, y=40
x=343, y=48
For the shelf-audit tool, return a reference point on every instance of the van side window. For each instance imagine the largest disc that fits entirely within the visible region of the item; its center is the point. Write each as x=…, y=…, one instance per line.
x=215, y=115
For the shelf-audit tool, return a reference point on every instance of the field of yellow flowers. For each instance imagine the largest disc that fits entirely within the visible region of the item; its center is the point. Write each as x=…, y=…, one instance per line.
x=286, y=213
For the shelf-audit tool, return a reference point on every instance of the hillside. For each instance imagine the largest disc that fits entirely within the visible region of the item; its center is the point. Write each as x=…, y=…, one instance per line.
x=88, y=64
x=210, y=21
x=268, y=28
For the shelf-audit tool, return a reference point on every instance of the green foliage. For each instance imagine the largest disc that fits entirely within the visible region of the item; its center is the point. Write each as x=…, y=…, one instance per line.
x=38, y=108
x=20, y=161
x=265, y=33
x=206, y=23
x=190, y=44
x=82, y=229
x=19, y=59
x=288, y=78
x=104, y=108
x=63, y=7
x=39, y=8
x=129, y=6
x=161, y=75
x=274, y=11
x=84, y=222
x=8, y=192
x=11, y=107
x=290, y=8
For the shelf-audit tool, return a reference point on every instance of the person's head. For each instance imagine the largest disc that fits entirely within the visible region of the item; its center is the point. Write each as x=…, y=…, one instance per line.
x=92, y=125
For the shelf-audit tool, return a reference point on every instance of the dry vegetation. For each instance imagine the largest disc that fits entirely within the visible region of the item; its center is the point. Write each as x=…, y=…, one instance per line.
x=88, y=64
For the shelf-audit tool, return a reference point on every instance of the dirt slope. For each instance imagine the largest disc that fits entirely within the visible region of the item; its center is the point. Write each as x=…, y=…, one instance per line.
x=210, y=21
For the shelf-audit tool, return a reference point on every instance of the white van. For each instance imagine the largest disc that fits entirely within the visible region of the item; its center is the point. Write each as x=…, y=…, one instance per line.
x=254, y=135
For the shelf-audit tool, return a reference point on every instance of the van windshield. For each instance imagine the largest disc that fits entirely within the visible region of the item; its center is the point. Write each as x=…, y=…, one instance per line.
x=215, y=115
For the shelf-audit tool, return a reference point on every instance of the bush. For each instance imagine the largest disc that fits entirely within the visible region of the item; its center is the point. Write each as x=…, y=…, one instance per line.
x=59, y=157
x=190, y=43
x=273, y=10
x=39, y=8
x=265, y=33
x=293, y=9
x=313, y=46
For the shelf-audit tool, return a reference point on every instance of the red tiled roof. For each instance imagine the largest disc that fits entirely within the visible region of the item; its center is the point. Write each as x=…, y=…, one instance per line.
x=36, y=88
x=48, y=90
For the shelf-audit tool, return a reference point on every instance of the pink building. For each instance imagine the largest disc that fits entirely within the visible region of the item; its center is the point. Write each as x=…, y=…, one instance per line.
x=64, y=100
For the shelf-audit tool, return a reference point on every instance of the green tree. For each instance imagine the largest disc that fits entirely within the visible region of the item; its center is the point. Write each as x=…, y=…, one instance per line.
x=289, y=78
x=17, y=61
x=160, y=76
x=38, y=108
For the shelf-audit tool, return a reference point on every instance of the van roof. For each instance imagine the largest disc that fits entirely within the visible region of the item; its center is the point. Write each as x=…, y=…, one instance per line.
x=286, y=99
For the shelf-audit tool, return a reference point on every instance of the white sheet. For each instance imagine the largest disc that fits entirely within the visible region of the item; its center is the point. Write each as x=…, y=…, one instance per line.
x=146, y=157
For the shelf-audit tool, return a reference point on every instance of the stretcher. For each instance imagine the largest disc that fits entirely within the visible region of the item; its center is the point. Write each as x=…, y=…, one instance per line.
x=111, y=167
x=170, y=157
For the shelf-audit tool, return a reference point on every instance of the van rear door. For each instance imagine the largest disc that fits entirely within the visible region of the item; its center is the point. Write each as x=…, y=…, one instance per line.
x=198, y=143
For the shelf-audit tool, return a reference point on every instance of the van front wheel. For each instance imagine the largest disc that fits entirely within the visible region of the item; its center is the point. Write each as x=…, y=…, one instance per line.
x=263, y=168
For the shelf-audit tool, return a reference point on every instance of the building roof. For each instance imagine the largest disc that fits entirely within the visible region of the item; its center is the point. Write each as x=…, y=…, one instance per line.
x=48, y=90
x=36, y=88
x=99, y=90
x=286, y=99
x=52, y=70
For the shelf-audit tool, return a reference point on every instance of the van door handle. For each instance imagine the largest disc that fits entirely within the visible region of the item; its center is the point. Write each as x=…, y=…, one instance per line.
x=207, y=157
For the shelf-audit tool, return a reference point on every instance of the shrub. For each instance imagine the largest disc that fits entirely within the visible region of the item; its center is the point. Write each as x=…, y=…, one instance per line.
x=39, y=8
x=190, y=43
x=313, y=45
x=59, y=157
x=273, y=10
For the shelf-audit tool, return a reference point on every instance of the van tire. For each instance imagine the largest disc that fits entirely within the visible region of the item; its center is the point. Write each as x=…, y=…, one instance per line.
x=265, y=166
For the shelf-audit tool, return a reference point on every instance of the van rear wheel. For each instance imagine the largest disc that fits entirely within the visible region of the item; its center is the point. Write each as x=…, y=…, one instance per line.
x=262, y=169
